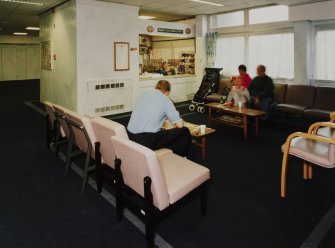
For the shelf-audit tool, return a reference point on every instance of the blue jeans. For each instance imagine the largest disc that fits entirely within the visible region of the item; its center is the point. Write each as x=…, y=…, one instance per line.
x=264, y=106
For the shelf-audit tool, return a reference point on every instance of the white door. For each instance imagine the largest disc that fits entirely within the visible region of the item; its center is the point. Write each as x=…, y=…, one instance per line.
x=33, y=62
x=8, y=57
x=21, y=63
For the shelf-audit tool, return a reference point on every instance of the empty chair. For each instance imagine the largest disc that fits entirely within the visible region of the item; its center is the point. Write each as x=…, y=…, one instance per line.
x=51, y=123
x=103, y=129
x=325, y=131
x=159, y=179
x=80, y=142
x=62, y=131
x=310, y=147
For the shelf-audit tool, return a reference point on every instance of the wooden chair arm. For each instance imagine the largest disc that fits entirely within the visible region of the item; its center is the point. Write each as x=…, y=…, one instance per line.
x=315, y=126
x=332, y=116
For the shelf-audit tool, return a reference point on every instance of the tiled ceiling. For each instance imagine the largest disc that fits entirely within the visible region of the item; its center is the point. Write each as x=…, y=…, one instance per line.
x=15, y=17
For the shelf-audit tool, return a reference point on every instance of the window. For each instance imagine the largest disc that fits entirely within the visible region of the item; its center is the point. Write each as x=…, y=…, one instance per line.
x=227, y=20
x=229, y=54
x=275, y=51
x=324, y=55
x=268, y=14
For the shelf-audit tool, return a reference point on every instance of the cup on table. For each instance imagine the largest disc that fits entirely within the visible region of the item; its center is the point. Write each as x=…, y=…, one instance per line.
x=202, y=129
x=240, y=104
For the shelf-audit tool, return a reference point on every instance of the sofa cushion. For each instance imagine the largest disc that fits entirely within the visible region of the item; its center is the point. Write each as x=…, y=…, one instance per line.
x=279, y=93
x=224, y=83
x=301, y=95
x=289, y=108
x=324, y=98
x=315, y=113
x=213, y=98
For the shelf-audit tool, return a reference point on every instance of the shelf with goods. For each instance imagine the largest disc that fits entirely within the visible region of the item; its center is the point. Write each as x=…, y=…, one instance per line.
x=187, y=62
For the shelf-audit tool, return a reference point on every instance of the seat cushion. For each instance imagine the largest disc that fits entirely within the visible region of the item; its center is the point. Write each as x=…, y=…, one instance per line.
x=301, y=95
x=324, y=98
x=289, y=108
x=181, y=175
x=320, y=114
x=313, y=151
x=279, y=93
x=213, y=98
x=325, y=132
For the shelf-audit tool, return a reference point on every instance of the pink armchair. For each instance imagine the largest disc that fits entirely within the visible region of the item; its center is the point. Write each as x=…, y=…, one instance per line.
x=80, y=143
x=50, y=124
x=102, y=131
x=159, y=179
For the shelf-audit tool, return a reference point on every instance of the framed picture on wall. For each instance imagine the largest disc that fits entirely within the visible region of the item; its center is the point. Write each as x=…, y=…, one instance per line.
x=46, y=61
x=121, y=56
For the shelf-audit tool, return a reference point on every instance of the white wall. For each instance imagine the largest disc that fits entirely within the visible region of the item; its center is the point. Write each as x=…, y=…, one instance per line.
x=59, y=85
x=313, y=11
x=99, y=25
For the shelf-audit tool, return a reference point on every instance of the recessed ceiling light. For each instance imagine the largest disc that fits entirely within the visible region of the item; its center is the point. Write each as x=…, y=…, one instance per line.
x=33, y=28
x=19, y=33
x=142, y=17
x=23, y=2
x=206, y=2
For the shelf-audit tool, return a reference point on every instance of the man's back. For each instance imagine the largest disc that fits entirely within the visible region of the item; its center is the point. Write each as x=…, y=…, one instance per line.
x=150, y=111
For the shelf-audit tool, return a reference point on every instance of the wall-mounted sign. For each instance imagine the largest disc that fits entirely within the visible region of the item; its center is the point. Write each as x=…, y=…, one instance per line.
x=150, y=29
x=121, y=56
x=46, y=61
x=170, y=30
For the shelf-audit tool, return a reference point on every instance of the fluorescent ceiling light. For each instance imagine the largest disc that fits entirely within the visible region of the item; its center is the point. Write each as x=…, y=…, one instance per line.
x=206, y=2
x=32, y=28
x=23, y=2
x=18, y=33
x=142, y=17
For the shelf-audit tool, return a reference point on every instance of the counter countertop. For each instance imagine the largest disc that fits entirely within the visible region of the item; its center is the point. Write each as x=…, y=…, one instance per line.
x=148, y=77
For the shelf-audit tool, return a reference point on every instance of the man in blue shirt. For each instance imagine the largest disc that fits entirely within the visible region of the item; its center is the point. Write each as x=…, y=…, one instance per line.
x=149, y=113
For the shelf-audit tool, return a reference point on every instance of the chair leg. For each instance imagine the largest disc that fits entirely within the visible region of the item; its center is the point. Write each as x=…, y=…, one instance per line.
x=149, y=219
x=119, y=184
x=56, y=144
x=85, y=173
x=310, y=172
x=68, y=155
x=203, y=202
x=98, y=167
x=283, y=175
x=305, y=170
x=47, y=131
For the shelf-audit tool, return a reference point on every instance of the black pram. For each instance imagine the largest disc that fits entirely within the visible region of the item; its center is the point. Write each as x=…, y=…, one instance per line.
x=208, y=86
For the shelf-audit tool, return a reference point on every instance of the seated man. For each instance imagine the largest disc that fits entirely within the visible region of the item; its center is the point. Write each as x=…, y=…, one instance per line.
x=244, y=76
x=261, y=90
x=238, y=93
x=149, y=113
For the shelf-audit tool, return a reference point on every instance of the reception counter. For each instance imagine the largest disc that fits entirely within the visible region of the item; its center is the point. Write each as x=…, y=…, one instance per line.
x=182, y=86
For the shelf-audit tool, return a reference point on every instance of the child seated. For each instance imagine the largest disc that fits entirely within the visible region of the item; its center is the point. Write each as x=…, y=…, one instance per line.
x=238, y=93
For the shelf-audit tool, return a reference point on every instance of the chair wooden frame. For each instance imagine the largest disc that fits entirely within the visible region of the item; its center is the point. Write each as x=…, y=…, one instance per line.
x=312, y=135
x=59, y=140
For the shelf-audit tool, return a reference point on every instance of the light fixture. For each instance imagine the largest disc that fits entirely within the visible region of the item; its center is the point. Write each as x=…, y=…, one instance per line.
x=23, y=2
x=32, y=28
x=19, y=33
x=143, y=17
x=206, y=2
